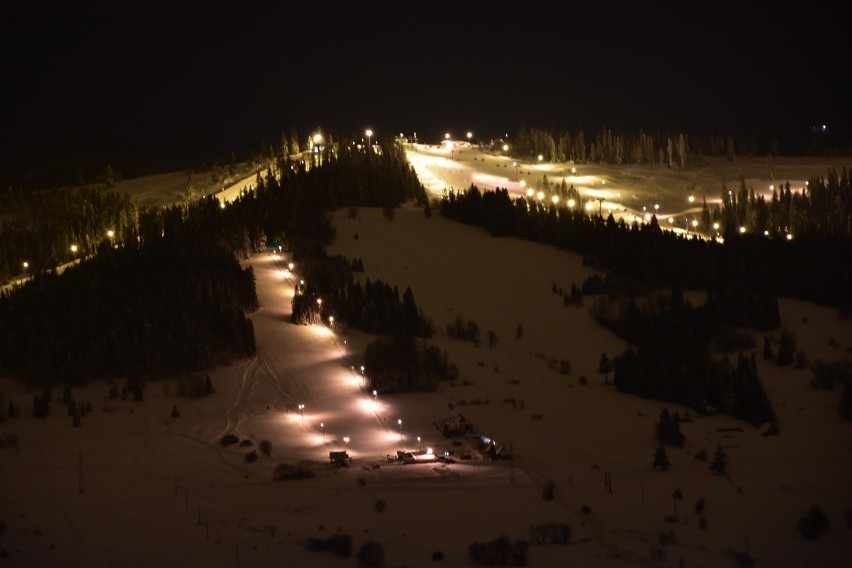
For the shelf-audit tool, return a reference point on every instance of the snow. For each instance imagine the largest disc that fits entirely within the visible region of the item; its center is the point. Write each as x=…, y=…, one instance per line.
x=158, y=490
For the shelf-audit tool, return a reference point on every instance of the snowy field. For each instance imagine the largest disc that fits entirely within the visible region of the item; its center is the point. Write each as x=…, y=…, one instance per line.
x=135, y=487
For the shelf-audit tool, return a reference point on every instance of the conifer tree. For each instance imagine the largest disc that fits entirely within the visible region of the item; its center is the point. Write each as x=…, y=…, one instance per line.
x=661, y=459
x=720, y=461
x=605, y=367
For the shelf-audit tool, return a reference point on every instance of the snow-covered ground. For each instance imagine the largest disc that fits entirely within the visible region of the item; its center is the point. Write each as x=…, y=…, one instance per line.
x=135, y=487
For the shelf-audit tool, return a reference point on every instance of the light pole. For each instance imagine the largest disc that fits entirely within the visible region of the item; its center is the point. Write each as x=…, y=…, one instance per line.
x=517, y=170
x=302, y=411
x=418, y=442
x=369, y=134
x=469, y=136
x=346, y=440
x=375, y=398
x=322, y=427
x=399, y=421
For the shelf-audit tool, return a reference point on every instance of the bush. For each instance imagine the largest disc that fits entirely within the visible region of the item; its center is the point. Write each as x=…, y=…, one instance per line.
x=813, y=525
x=265, y=447
x=246, y=443
x=251, y=457
x=338, y=544
x=228, y=440
x=553, y=533
x=499, y=552
x=699, y=506
x=371, y=554
x=287, y=472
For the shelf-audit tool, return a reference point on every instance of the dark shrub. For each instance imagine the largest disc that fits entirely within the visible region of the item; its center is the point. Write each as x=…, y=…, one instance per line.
x=229, y=439
x=813, y=525
x=251, y=457
x=371, y=554
x=287, y=472
x=265, y=447
x=548, y=492
x=338, y=544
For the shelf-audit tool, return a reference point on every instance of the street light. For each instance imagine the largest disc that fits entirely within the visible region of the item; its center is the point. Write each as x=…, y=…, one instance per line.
x=302, y=411
x=110, y=233
x=469, y=136
x=418, y=442
x=346, y=440
x=369, y=134
x=517, y=170
x=540, y=157
x=74, y=249
x=447, y=136
x=376, y=397
x=322, y=427
x=399, y=421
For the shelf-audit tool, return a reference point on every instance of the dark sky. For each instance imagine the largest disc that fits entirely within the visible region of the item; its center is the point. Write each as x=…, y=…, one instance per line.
x=152, y=85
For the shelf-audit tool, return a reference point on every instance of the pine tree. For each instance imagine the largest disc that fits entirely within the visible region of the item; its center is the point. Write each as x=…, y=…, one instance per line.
x=668, y=429
x=720, y=461
x=661, y=460
x=605, y=367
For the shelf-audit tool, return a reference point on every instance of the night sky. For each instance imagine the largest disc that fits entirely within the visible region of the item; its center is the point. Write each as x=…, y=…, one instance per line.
x=152, y=86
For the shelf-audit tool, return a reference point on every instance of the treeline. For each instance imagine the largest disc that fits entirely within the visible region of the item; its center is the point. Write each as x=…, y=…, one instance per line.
x=669, y=149
x=374, y=307
x=669, y=357
x=40, y=227
x=164, y=306
x=822, y=207
x=643, y=257
x=403, y=363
